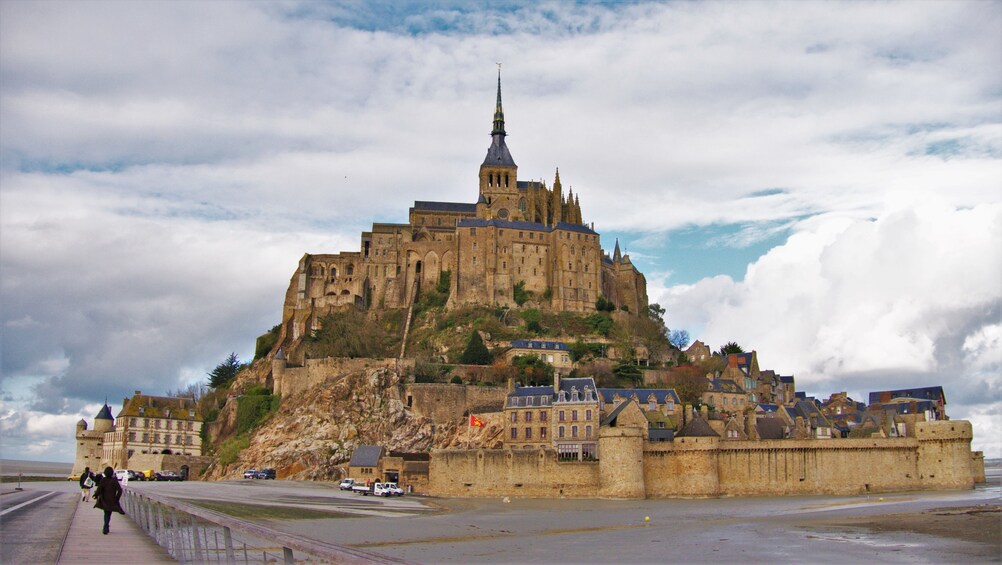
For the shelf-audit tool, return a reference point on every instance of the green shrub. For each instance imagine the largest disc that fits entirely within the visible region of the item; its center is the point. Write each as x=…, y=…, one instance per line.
x=548, y=294
x=444, y=282
x=476, y=352
x=231, y=448
x=456, y=380
x=603, y=305
x=519, y=294
x=533, y=369
x=254, y=409
x=599, y=323
x=266, y=342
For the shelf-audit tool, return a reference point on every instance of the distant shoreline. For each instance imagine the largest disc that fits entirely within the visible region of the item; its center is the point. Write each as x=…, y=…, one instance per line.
x=11, y=467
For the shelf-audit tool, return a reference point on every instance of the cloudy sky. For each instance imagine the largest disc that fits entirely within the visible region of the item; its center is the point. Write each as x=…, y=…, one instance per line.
x=820, y=182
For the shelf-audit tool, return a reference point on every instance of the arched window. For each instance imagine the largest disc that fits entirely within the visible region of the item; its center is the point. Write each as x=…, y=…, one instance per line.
x=349, y=270
x=522, y=205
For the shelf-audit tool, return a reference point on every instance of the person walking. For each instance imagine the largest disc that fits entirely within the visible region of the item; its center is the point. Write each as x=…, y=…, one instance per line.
x=107, y=494
x=86, y=483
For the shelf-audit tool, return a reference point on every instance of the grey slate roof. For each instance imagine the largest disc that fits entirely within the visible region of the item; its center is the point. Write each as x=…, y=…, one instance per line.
x=770, y=428
x=726, y=385
x=498, y=154
x=575, y=227
x=429, y=206
x=533, y=391
x=611, y=418
x=104, y=414
x=537, y=344
x=697, y=427
x=366, y=456
x=642, y=394
x=482, y=223
x=923, y=393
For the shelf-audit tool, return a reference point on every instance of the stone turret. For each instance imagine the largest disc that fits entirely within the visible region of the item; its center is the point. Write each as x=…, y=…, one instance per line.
x=557, y=201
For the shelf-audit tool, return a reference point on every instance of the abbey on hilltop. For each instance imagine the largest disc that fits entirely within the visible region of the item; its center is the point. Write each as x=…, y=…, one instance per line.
x=519, y=236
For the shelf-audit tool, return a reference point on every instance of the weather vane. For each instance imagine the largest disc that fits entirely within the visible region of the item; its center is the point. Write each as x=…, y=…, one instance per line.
x=499, y=66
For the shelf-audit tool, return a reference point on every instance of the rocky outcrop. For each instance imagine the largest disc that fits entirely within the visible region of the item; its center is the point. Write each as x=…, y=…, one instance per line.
x=314, y=433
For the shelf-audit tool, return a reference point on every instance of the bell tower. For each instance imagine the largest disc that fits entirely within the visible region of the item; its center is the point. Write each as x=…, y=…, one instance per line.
x=498, y=173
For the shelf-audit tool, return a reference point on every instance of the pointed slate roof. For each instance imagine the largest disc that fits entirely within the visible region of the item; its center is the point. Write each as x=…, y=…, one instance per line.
x=497, y=153
x=697, y=427
x=366, y=456
x=104, y=414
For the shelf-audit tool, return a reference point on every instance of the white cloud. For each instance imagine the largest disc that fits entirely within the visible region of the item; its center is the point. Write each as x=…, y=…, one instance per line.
x=914, y=294
x=163, y=166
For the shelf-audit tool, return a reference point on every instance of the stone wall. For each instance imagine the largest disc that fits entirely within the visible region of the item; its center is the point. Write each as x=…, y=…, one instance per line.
x=290, y=380
x=534, y=473
x=938, y=457
x=443, y=403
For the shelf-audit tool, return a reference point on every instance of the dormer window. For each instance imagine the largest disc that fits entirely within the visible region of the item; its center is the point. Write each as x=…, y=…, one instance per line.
x=574, y=394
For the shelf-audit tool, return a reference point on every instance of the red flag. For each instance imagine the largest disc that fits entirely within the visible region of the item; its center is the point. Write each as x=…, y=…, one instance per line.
x=476, y=422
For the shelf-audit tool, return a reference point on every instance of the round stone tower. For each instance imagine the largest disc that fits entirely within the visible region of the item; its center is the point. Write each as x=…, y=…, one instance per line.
x=104, y=421
x=621, y=462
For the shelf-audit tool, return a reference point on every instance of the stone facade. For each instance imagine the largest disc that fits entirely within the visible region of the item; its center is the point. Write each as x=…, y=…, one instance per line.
x=90, y=443
x=153, y=425
x=938, y=457
x=168, y=428
x=517, y=234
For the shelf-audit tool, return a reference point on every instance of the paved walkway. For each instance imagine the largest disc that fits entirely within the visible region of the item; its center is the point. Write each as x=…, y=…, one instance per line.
x=126, y=544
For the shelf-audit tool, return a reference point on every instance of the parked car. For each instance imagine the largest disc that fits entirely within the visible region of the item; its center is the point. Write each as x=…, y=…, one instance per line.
x=250, y=474
x=364, y=490
x=345, y=484
x=167, y=476
x=125, y=475
x=137, y=475
x=266, y=474
x=74, y=477
x=387, y=489
x=147, y=475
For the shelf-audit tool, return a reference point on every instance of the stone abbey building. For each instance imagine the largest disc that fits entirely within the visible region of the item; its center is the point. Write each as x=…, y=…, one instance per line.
x=516, y=233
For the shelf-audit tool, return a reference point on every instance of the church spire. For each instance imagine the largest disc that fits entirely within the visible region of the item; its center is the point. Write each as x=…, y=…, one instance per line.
x=497, y=154
x=498, y=112
x=616, y=255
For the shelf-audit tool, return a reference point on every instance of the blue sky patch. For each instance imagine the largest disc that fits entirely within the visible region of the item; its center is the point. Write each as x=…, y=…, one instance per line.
x=694, y=253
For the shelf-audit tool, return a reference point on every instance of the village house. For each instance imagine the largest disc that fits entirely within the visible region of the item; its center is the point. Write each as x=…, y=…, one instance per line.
x=555, y=353
x=149, y=424
x=930, y=400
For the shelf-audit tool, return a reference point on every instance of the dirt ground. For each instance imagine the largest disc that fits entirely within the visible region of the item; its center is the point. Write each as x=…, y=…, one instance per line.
x=980, y=524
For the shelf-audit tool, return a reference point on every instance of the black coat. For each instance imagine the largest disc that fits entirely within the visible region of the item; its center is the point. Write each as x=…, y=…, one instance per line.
x=83, y=478
x=107, y=494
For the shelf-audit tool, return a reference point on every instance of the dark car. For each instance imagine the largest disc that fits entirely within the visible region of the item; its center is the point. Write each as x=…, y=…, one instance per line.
x=266, y=474
x=167, y=476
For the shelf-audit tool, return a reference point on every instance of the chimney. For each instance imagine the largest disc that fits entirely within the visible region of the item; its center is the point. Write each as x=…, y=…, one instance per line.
x=704, y=412
x=750, y=428
x=556, y=382
x=511, y=385
x=688, y=413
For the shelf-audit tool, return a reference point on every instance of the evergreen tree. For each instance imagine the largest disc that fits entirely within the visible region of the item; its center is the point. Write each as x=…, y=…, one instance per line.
x=225, y=372
x=476, y=352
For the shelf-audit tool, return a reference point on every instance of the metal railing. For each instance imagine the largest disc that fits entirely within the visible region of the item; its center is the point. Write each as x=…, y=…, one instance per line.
x=192, y=534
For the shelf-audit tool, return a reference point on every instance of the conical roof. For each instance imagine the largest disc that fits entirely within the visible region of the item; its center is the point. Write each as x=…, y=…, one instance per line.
x=104, y=414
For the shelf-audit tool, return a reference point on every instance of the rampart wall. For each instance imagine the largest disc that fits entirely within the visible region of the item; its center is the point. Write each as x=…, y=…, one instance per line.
x=533, y=473
x=938, y=457
x=448, y=402
x=290, y=380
